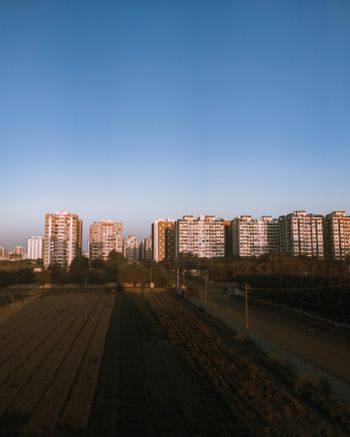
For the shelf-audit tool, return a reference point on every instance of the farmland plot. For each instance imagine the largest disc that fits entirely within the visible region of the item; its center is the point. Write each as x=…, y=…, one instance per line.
x=46, y=359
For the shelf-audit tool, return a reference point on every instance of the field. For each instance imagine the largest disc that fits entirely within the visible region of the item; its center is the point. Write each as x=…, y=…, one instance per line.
x=100, y=364
x=50, y=355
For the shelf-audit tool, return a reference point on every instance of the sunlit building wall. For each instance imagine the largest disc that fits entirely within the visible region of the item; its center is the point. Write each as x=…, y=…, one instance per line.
x=63, y=238
x=105, y=236
x=202, y=236
x=254, y=237
x=337, y=227
x=163, y=239
x=302, y=234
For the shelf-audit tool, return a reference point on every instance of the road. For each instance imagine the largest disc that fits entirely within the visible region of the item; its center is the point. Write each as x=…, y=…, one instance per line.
x=320, y=346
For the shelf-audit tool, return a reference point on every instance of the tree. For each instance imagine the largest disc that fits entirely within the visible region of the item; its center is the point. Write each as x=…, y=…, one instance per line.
x=79, y=270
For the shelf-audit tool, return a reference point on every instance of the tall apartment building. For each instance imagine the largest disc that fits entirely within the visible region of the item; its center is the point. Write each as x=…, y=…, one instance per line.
x=254, y=237
x=19, y=252
x=131, y=246
x=35, y=247
x=105, y=236
x=145, y=252
x=228, y=238
x=202, y=236
x=302, y=234
x=3, y=253
x=63, y=238
x=163, y=239
x=337, y=231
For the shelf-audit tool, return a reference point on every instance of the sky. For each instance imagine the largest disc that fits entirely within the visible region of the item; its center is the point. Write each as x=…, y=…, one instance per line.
x=138, y=109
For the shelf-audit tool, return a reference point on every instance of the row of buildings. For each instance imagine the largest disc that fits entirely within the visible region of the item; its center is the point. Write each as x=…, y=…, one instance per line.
x=295, y=234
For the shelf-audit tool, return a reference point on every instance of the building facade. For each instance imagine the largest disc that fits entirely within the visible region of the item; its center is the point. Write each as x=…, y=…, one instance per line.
x=131, y=247
x=254, y=237
x=163, y=240
x=35, y=247
x=145, y=252
x=105, y=236
x=337, y=230
x=63, y=238
x=302, y=234
x=202, y=236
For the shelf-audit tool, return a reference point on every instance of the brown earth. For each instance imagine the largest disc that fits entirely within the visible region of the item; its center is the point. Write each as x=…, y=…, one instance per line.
x=162, y=368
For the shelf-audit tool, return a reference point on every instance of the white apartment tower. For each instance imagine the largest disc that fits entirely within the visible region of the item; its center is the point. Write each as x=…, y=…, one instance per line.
x=302, y=234
x=254, y=237
x=35, y=247
x=131, y=246
x=105, y=236
x=63, y=238
x=337, y=227
x=202, y=236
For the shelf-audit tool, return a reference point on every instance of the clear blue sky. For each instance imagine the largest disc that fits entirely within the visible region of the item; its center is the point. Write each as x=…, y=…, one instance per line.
x=131, y=110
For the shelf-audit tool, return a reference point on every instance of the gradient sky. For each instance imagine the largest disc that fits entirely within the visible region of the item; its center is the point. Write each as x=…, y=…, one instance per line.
x=133, y=110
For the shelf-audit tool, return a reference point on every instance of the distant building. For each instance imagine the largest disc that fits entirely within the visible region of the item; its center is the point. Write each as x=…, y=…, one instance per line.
x=337, y=227
x=254, y=237
x=63, y=238
x=163, y=239
x=3, y=253
x=20, y=252
x=35, y=247
x=105, y=236
x=145, y=251
x=131, y=248
x=302, y=234
x=228, y=238
x=202, y=236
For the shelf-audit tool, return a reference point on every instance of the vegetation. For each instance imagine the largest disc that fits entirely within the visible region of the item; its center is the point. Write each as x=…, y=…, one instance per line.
x=260, y=400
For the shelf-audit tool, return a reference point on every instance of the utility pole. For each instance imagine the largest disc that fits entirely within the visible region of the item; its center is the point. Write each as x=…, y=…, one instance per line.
x=205, y=287
x=246, y=306
x=178, y=279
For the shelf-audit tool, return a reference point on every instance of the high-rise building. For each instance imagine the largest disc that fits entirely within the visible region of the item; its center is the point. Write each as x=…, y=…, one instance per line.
x=254, y=237
x=163, y=240
x=145, y=252
x=302, y=234
x=337, y=230
x=3, y=253
x=105, y=236
x=35, y=247
x=131, y=246
x=63, y=238
x=228, y=238
x=19, y=251
x=202, y=236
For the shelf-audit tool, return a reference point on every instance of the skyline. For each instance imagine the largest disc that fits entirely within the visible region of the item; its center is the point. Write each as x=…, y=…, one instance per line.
x=154, y=109
x=86, y=226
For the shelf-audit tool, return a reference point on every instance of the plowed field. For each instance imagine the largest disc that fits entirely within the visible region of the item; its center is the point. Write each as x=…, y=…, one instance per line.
x=146, y=365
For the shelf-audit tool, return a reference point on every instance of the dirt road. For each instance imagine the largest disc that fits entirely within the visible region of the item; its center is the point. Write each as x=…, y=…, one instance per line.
x=310, y=341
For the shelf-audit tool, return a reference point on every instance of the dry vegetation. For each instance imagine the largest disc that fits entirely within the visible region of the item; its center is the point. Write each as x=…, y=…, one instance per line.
x=261, y=398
